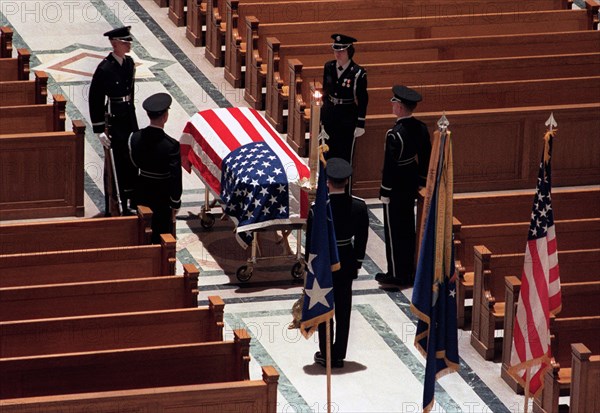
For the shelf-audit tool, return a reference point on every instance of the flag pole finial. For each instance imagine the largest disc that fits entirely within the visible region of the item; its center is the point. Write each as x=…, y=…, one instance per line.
x=443, y=122
x=551, y=122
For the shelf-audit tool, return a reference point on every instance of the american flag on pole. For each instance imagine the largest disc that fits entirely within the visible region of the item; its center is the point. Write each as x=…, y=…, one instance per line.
x=244, y=162
x=540, y=285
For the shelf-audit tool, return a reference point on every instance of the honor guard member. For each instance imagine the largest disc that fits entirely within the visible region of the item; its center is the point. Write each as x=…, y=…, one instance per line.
x=351, y=224
x=113, y=114
x=345, y=99
x=405, y=166
x=157, y=160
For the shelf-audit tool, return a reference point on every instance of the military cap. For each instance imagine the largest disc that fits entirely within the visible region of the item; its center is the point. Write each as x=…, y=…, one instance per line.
x=157, y=103
x=338, y=169
x=405, y=94
x=122, y=33
x=341, y=41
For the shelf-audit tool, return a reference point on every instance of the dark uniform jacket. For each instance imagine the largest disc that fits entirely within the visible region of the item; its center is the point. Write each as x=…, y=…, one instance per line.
x=117, y=82
x=351, y=223
x=157, y=157
x=348, y=92
x=406, y=161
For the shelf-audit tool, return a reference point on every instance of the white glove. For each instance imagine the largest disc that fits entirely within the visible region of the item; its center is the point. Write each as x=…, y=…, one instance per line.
x=359, y=132
x=385, y=200
x=104, y=140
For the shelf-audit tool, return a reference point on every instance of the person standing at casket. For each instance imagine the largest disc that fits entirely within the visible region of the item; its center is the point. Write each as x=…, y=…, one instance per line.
x=345, y=99
x=157, y=159
x=405, y=166
x=112, y=111
x=351, y=225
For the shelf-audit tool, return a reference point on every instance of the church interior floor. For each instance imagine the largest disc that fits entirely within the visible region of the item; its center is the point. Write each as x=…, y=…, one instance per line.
x=383, y=371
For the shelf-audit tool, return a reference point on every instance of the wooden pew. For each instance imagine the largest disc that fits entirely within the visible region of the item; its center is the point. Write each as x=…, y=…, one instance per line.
x=42, y=173
x=277, y=80
x=95, y=264
x=579, y=279
x=464, y=84
x=585, y=379
x=99, y=297
x=504, y=207
x=235, y=396
x=177, y=12
x=196, y=22
x=126, y=369
x=498, y=149
x=309, y=11
x=15, y=68
x=112, y=331
x=27, y=237
x=403, y=28
x=24, y=92
x=162, y=3
x=557, y=381
x=34, y=118
x=6, y=45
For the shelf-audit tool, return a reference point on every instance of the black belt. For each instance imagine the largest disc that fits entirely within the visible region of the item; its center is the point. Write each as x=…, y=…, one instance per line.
x=337, y=101
x=153, y=175
x=121, y=99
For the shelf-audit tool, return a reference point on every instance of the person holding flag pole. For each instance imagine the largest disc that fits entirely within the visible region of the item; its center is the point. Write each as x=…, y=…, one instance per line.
x=540, y=285
x=434, y=294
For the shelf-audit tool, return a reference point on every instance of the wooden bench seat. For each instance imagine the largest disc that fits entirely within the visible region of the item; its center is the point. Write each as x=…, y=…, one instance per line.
x=466, y=84
x=403, y=28
x=33, y=118
x=126, y=369
x=585, y=379
x=196, y=22
x=504, y=207
x=498, y=149
x=318, y=10
x=99, y=297
x=6, y=45
x=277, y=78
x=112, y=331
x=256, y=396
x=24, y=237
x=42, y=173
x=94, y=264
x=565, y=332
x=24, y=92
x=15, y=68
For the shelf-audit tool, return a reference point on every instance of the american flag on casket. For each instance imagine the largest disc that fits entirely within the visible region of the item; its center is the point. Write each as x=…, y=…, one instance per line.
x=244, y=162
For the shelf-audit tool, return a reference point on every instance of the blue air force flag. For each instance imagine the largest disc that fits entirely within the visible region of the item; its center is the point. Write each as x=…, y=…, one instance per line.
x=434, y=294
x=322, y=260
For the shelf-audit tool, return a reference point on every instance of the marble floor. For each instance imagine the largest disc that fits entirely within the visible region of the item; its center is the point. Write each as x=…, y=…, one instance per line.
x=383, y=371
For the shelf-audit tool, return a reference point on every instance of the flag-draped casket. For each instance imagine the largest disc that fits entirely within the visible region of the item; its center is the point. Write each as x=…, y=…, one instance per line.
x=245, y=163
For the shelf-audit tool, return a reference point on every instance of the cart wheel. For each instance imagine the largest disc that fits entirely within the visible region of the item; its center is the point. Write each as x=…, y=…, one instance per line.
x=207, y=221
x=298, y=270
x=244, y=273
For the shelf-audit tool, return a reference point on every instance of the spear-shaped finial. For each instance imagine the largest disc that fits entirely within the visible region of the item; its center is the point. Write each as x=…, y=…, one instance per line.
x=551, y=122
x=443, y=122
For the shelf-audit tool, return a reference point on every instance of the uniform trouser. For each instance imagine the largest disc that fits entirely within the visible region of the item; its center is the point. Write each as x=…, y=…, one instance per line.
x=161, y=222
x=126, y=173
x=342, y=297
x=339, y=123
x=400, y=236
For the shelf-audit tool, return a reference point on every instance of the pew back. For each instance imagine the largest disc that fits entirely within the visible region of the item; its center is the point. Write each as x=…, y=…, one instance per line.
x=112, y=331
x=34, y=118
x=24, y=92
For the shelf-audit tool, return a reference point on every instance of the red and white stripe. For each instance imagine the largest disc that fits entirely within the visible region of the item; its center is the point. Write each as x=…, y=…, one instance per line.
x=540, y=295
x=210, y=135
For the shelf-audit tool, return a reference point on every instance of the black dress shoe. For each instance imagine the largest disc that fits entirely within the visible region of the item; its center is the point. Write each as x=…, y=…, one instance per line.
x=320, y=359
